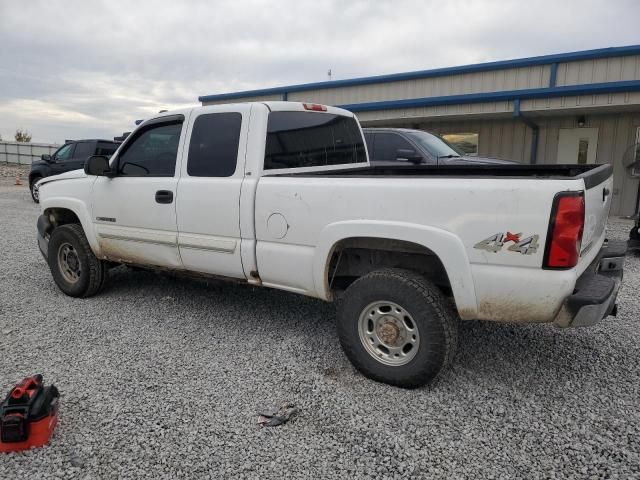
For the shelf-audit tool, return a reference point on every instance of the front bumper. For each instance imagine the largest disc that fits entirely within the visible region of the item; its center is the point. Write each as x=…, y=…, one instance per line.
x=634, y=237
x=596, y=291
x=44, y=226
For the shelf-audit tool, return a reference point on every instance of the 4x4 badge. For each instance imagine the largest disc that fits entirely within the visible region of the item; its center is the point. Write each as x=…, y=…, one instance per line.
x=494, y=243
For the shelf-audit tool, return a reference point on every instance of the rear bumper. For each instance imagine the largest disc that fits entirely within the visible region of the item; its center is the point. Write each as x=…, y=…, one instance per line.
x=596, y=291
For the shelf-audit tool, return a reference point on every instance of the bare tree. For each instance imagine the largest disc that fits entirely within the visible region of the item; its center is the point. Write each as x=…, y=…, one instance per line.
x=22, y=136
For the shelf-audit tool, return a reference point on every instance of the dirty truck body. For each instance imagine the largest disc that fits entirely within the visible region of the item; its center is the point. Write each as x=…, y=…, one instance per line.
x=281, y=194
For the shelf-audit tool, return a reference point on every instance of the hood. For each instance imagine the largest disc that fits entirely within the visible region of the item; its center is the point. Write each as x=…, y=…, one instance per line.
x=63, y=176
x=36, y=163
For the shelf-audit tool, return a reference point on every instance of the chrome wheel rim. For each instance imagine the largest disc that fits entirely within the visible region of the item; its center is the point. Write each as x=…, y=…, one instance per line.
x=388, y=333
x=69, y=263
x=35, y=192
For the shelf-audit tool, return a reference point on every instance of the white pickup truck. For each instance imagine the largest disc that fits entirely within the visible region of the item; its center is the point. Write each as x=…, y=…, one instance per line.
x=282, y=195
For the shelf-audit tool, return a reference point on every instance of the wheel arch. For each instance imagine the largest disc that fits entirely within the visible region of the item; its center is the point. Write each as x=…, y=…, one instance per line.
x=35, y=174
x=61, y=211
x=446, y=247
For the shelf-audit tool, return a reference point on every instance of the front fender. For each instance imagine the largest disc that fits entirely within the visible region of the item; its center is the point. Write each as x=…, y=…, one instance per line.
x=80, y=209
x=447, y=246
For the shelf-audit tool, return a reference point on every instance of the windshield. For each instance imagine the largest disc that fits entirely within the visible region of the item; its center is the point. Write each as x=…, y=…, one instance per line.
x=436, y=146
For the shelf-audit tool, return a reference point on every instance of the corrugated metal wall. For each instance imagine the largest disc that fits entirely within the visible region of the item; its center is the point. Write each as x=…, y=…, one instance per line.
x=616, y=133
x=501, y=135
x=537, y=76
x=511, y=139
x=601, y=70
x=491, y=81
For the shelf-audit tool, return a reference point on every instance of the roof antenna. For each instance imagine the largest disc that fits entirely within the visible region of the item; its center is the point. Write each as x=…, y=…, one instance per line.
x=329, y=74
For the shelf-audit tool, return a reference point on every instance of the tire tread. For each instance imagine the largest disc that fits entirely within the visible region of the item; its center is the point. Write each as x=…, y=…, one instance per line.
x=97, y=269
x=444, y=315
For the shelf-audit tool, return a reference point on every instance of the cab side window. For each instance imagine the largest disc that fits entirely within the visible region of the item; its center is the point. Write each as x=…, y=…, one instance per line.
x=152, y=152
x=213, y=150
x=106, y=149
x=387, y=146
x=368, y=138
x=84, y=150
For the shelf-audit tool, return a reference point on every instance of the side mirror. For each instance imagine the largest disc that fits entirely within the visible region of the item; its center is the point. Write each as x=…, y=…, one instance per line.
x=46, y=157
x=409, y=155
x=98, y=165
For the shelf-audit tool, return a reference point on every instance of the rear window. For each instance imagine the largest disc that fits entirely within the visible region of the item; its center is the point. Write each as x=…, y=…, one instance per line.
x=311, y=139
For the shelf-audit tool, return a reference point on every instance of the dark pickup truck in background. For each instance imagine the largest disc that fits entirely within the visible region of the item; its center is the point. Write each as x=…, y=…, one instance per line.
x=388, y=146
x=70, y=156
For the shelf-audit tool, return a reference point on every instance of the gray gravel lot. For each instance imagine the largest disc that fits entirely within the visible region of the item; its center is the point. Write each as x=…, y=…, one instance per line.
x=161, y=377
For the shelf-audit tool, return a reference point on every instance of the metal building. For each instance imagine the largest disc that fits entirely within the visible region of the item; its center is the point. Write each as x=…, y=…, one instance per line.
x=579, y=107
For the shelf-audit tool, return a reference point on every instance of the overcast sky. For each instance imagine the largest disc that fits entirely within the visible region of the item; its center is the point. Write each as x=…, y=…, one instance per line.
x=79, y=69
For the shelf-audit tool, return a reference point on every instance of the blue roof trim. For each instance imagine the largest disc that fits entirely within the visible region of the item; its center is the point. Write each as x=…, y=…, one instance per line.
x=564, y=91
x=438, y=72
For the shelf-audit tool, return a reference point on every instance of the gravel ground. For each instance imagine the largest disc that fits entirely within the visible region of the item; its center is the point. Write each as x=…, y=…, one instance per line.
x=161, y=377
x=8, y=170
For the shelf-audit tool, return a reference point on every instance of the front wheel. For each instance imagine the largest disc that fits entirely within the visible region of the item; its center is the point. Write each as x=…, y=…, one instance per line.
x=35, y=192
x=396, y=327
x=74, y=267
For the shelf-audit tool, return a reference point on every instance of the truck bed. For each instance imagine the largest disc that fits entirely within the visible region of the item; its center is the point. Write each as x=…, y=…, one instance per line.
x=593, y=174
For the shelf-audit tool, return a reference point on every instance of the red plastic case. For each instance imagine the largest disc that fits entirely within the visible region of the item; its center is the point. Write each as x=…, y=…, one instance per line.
x=28, y=415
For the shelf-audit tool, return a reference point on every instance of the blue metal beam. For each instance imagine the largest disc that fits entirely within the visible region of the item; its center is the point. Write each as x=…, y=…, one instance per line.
x=535, y=131
x=553, y=74
x=516, y=107
x=508, y=95
x=438, y=72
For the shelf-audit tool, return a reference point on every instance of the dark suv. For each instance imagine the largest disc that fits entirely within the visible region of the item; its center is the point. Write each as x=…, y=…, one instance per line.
x=392, y=146
x=70, y=156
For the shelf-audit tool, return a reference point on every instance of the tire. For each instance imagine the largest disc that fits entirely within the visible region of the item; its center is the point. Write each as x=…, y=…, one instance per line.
x=34, y=190
x=410, y=314
x=70, y=242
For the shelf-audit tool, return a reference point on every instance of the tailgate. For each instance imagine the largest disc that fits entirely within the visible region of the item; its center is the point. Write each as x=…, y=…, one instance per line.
x=598, y=191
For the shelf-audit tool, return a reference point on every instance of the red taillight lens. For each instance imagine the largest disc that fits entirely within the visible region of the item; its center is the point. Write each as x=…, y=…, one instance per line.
x=316, y=107
x=565, y=231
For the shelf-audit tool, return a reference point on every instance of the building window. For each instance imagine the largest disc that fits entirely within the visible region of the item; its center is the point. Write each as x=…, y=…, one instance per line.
x=583, y=149
x=466, y=142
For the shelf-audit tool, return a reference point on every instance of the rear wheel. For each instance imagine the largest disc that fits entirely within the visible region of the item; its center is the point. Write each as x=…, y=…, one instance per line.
x=396, y=327
x=35, y=193
x=74, y=267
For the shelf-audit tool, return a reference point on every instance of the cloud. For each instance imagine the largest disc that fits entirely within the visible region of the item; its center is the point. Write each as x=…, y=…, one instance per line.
x=76, y=69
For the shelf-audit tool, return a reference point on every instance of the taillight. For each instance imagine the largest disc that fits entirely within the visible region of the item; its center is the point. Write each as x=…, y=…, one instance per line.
x=565, y=231
x=316, y=107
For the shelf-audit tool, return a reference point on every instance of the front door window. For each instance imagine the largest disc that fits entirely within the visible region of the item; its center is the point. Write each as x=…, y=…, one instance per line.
x=64, y=153
x=152, y=153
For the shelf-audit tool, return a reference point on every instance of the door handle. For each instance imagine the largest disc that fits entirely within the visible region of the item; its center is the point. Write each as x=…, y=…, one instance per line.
x=164, y=196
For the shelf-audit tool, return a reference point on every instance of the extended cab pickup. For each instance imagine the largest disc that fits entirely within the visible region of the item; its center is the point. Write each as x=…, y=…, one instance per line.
x=282, y=195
